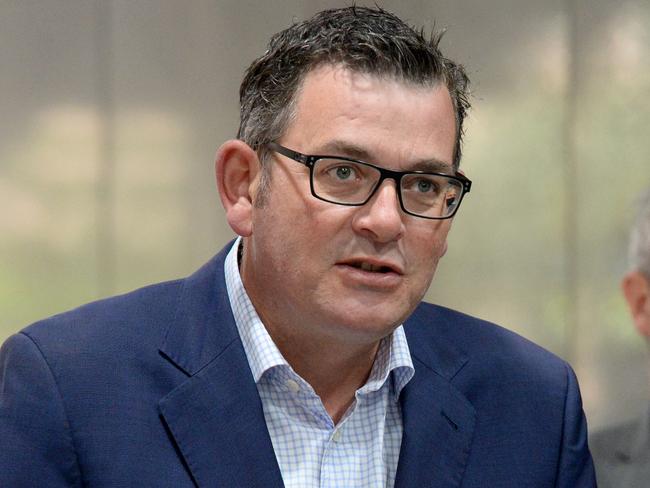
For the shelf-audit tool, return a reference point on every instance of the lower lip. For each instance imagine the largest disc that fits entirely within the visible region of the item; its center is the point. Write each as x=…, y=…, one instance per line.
x=379, y=281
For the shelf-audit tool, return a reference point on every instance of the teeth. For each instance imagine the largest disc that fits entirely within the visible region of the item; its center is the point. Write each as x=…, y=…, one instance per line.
x=365, y=266
x=369, y=267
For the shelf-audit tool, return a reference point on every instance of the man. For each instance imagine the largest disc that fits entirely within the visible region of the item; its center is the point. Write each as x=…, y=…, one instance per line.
x=622, y=453
x=284, y=360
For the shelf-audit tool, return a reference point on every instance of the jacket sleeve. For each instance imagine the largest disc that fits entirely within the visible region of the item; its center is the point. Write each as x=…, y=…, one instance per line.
x=576, y=468
x=36, y=447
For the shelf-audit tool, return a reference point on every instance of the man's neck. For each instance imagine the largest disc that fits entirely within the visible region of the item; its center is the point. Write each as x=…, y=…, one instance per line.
x=335, y=367
x=334, y=371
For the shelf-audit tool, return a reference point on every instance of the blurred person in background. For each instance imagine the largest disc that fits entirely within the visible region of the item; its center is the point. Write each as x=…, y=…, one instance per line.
x=622, y=453
x=302, y=355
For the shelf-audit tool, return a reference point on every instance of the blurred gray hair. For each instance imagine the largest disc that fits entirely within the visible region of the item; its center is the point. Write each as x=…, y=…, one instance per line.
x=639, y=251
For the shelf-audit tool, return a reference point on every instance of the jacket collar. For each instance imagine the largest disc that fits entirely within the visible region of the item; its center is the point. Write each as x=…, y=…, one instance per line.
x=438, y=420
x=203, y=325
x=215, y=417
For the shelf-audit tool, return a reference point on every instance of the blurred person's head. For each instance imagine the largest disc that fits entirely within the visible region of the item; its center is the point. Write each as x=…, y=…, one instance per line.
x=362, y=40
x=636, y=282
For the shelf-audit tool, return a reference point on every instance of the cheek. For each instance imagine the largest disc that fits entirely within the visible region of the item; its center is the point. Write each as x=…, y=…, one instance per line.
x=432, y=245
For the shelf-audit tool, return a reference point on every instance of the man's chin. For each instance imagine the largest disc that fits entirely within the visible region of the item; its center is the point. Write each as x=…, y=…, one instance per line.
x=366, y=327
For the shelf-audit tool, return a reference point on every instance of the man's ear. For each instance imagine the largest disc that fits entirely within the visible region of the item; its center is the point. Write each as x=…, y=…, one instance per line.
x=636, y=290
x=237, y=169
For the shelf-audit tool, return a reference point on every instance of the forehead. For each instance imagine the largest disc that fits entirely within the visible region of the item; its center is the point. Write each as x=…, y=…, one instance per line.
x=387, y=119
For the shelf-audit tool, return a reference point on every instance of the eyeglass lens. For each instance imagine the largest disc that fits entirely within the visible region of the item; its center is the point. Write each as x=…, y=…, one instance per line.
x=347, y=182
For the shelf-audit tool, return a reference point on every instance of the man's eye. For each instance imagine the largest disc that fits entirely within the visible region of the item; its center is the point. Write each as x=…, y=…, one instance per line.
x=342, y=172
x=424, y=186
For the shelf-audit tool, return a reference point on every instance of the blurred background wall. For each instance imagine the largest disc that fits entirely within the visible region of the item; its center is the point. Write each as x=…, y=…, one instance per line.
x=111, y=112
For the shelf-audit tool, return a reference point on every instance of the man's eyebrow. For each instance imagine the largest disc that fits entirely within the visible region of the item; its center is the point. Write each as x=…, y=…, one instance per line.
x=349, y=150
x=353, y=151
x=432, y=166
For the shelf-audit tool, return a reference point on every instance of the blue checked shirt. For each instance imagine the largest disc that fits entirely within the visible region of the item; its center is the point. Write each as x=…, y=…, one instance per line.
x=362, y=450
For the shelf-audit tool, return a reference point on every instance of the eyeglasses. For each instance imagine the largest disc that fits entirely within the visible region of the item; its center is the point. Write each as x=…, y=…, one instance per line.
x=345, y=181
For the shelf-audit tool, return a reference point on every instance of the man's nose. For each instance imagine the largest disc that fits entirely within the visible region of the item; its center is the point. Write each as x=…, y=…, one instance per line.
x=381, y=218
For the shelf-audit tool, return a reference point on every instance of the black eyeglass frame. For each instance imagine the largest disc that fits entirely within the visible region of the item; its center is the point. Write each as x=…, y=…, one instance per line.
x=310, y=160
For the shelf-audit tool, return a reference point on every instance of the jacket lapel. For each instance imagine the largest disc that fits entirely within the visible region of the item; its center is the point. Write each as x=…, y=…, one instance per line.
x=438, y=419
x=215, y=417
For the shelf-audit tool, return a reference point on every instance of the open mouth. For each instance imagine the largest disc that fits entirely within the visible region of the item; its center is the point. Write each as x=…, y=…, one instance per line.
x=371, y=267
x=371, y=274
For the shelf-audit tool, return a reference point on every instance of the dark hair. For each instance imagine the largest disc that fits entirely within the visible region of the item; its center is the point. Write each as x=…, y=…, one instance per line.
x=366, y=40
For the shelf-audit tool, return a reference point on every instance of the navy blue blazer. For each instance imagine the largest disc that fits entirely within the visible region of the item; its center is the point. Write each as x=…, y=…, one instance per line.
x=153, y=389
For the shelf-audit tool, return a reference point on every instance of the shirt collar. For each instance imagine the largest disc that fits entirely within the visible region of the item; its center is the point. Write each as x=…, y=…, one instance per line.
x=261, y=351
x=393, y=355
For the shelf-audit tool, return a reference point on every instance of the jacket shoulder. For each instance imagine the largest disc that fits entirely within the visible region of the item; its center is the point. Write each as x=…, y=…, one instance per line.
x=114, y=320
x=612, y=444
x=488, y=349
x=471, y=333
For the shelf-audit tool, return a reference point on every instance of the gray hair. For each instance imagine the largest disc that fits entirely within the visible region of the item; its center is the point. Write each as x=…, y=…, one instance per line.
x=364, y=40
x=639, y=250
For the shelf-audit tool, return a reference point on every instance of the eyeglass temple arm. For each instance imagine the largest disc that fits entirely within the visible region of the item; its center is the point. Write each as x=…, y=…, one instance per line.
x=296, y=156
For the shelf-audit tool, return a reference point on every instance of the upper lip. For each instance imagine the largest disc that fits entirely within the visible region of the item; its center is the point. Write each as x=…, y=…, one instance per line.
x=374, y=263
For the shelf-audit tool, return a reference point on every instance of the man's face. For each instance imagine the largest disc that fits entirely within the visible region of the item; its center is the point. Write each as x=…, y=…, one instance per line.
x=328, y=271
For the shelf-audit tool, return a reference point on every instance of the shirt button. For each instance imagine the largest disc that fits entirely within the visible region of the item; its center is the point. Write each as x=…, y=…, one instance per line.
x=336, y=437
x=293, y=386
